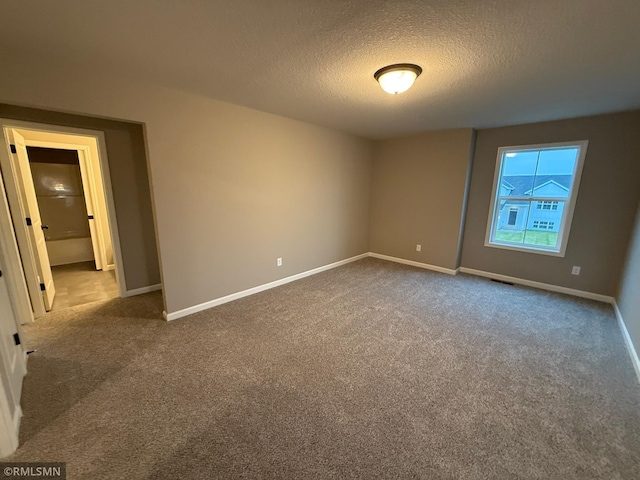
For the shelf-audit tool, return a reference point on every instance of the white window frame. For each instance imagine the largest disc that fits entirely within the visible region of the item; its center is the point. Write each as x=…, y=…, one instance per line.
x=567, y=214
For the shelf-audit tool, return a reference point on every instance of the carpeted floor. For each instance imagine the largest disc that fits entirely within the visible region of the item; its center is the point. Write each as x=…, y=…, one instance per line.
x=371, y=370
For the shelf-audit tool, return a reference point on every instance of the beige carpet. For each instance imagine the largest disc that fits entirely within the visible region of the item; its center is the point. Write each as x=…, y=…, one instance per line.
x=371, y=370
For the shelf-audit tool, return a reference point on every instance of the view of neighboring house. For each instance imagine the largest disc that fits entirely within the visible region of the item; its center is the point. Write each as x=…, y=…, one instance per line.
x=544, y=215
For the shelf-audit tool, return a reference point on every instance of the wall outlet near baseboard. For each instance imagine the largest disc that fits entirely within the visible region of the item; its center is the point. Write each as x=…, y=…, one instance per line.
x=575, y=270
x=279, y=261
x=418, y=248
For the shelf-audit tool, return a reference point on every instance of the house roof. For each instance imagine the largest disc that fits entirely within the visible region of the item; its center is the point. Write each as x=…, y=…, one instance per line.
x=522, y=184
x=485, y=64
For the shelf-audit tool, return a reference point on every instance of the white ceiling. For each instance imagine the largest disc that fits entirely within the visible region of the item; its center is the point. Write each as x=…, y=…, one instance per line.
x=486, y=63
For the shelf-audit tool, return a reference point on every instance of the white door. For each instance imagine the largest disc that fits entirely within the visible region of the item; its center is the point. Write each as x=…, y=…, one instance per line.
x=36, y=236
x=14, y=196
x=9, y=343
x=12, y=370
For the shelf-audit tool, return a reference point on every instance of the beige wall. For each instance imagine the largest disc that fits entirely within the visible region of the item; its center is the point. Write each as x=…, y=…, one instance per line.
x=418, y=193
x=603, y=219
x=233, y=188
x=629, y=295
x=130, y=182
x=239, y=188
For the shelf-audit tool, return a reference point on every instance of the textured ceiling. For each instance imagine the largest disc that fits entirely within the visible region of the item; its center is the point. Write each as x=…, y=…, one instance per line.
x=486, y=63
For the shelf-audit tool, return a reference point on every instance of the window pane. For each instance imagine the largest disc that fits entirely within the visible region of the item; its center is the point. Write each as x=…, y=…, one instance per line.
x=555, y=172
x=518, y=173
x=544, y=224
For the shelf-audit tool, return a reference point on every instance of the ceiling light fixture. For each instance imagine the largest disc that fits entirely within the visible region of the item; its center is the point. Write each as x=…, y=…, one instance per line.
x=397, y=78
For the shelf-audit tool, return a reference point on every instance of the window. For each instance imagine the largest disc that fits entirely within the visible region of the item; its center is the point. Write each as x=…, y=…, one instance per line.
x=547, y=205
x=540, y=225
x=534, y=193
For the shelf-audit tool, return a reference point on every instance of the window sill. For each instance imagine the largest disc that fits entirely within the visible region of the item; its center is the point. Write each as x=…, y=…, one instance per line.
x=541, y=251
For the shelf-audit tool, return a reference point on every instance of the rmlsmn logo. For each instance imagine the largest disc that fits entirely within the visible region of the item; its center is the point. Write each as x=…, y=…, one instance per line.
x=21, y=470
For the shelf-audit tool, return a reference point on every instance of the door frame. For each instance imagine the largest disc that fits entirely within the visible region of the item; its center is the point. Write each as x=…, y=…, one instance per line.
x=103, y=163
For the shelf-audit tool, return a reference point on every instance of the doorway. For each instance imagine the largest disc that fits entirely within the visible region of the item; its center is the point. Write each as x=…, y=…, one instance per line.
x=58, y=190
x=81, y=257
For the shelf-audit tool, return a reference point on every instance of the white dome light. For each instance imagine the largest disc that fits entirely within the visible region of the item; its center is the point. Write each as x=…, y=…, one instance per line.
x=397, y=78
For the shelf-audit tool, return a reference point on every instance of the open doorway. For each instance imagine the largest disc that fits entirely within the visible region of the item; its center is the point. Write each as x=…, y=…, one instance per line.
x=80, y=251
x=59, y=196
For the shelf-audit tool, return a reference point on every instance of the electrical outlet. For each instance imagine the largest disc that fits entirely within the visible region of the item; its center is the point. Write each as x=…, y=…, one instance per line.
x=418, y=248
x=279, y=262
x=575, y=271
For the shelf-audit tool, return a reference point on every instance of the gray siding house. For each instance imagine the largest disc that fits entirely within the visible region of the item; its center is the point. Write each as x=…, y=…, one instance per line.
x=516, y=216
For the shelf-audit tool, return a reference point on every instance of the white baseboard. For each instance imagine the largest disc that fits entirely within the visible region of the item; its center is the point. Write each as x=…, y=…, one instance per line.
x=540, y=285
x=435, y=268
x=260, y=288
x=141, y=290
x=627, y=340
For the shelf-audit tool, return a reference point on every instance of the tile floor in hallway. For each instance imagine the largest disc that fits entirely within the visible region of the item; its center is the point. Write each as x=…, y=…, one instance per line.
x=80, y=283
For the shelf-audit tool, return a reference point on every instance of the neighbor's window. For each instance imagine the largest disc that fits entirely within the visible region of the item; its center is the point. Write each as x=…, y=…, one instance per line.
x=534, y=193
x=547, y=205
